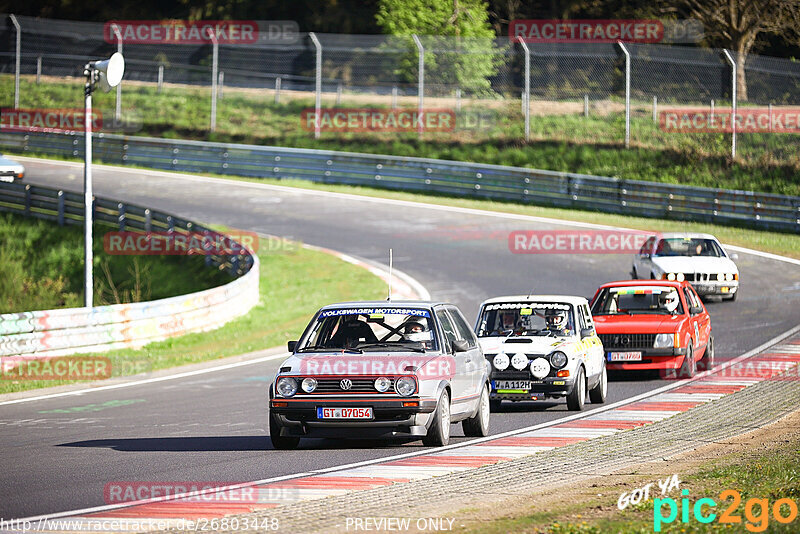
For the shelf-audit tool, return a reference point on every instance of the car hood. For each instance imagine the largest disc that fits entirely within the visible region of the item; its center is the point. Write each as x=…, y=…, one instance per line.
x=637, y=324
x=537, y=345
x=7, y=163
x=425, y=365
x=694, y=264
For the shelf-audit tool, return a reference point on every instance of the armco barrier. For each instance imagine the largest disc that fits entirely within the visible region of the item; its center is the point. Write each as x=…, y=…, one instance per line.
x=470, y=180
x=68, y=331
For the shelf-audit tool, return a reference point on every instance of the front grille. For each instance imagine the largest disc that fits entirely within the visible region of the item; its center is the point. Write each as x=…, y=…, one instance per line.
x=628, y=341
x=360, y=385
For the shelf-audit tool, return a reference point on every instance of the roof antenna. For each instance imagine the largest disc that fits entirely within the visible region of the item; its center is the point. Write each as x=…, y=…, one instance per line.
x=533, y=289
x=389, y=297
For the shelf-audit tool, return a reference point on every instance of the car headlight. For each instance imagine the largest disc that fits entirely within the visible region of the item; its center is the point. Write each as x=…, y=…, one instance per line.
x=729, y=277
x=501, y=361
x=671, y=277
x=721, y=277
x=309, y=385
x=540, y=368
x=558, y=359
x=663, y=341
x=679, y=277
x=286, y=387
x=519, y=361
x=405, y=386
x=383, y=384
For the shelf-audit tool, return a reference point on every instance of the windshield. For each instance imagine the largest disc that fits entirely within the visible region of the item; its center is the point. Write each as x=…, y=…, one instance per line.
x=679, y=246
x=370, y=329
x=637, y=300
x=526, y=319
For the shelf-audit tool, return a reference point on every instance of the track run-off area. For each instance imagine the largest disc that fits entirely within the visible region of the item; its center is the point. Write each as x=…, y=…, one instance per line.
x=212, y=426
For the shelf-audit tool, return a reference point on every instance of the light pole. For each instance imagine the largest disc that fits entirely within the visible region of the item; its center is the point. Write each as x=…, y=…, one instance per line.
x=105, y=74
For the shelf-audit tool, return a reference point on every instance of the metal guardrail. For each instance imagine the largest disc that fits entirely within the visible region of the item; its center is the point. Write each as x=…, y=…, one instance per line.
x=68, y=331
x=468, y=180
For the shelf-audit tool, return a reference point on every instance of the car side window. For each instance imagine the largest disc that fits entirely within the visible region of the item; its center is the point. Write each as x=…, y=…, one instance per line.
x=696, y=297
x=587, y=317
x=647, y=247
x=447, y=328
x=463, y=331
x=581, y=319
x=690, y=300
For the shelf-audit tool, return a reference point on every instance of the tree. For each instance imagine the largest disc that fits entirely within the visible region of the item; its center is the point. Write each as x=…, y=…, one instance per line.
x=740, y=24
x=457, y=36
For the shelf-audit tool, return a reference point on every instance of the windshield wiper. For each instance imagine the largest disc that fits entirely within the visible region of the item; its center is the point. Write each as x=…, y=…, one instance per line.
x=395, y=346
x=323, y=348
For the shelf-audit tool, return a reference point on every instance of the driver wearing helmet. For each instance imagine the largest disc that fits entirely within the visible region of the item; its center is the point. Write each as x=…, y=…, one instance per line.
x=556, y=321
x=669, y=301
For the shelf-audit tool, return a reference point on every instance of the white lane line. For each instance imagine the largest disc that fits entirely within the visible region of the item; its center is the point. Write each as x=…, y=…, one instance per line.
x=387, y=201
x=148, y=380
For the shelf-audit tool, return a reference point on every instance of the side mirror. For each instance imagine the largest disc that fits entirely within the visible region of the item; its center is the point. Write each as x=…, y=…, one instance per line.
x=694, y=310
x=734, y=256
x=460, y=345
x=587, y=332
x=291, y=346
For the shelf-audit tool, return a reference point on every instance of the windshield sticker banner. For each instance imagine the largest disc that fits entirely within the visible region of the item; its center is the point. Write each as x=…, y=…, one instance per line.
x=374, y=311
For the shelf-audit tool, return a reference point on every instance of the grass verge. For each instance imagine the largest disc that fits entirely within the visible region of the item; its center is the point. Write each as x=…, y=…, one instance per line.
x=294, y=283
x=560, y=141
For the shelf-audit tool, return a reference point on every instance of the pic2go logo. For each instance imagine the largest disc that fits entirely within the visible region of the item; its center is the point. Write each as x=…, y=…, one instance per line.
x=756, y=511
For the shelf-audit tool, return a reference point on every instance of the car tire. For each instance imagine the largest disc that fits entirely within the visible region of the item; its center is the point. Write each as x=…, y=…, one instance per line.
x=439, y=433
x=689, y=365
x=478, y=425
x=495, y=404
x=599, y=393
x=707, y=361
x=283, y=443
x=577, y=397
x=634, y=274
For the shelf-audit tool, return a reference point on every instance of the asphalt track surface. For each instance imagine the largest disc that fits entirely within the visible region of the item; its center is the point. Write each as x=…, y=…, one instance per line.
x=58, y=454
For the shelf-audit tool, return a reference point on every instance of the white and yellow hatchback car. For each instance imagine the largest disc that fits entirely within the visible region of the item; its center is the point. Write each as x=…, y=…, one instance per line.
x=542, y=347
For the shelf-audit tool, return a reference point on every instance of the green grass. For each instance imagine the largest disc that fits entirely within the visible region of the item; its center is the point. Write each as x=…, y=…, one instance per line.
x=42, y=268
x=564, y=142
x=770, y=475
x=294, y=283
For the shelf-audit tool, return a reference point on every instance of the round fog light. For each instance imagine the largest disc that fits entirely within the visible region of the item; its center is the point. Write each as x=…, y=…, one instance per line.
x=540, y=368
x=383, y=384
x=501, y=361
x=519, y=361
x=309, y=385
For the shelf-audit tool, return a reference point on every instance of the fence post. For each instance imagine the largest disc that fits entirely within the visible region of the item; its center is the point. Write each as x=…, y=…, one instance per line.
x=61, y=208
x=160, y=78
x=148, y=220
x=627, y=94
x=420, y=81
x=38, y=69
x=458, y=99
x=339, y=94
x=121, y=216
x=27, y=199
x=586, y=106
x=317, y=84
x=732, y=63
x=770, y=116
x=118, y=104
x=655, y=109
x=526, y=95
x=214, y=66
x=221, y=84
x=277, y=90
x=17, y=55
x=394, y=97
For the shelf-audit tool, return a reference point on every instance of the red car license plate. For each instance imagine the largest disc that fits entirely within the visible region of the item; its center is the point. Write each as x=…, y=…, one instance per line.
x=344, y=413
x=625, y=357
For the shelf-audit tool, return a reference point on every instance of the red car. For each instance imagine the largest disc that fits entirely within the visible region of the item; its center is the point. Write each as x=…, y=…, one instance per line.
x=653, y=324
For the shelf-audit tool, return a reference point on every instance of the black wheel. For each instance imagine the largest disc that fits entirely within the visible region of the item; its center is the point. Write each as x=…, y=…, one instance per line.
x=652, y=276
x=707, y=362
x=598, y=393
x=689, y=366
x=577, y=397
x=280, y=442
x=634, y=275
x=494, y=404
x=439, y=432
x=478, y=425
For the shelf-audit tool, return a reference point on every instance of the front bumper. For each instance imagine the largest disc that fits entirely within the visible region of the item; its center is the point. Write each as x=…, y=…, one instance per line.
x=390, y=417
x=549, y=387
x=652, y=359
x=716, y=288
